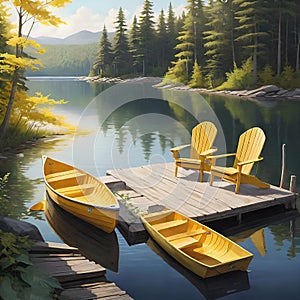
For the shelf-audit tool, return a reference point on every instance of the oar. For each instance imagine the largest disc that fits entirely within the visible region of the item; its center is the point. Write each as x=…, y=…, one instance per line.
x=39, y=206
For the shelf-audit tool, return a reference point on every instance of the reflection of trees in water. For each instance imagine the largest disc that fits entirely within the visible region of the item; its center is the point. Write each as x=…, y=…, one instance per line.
x=19, y=188
x=99, y=88
x=287, y=233
x=129, y=119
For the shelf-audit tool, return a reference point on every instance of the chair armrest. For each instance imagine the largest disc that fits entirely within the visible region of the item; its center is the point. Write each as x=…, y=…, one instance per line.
x=220, y=156
x=208, y=152
x=178, y=148
x=250, y=161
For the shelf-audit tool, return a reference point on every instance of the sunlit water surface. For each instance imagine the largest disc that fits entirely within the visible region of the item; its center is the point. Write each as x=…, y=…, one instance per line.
x=135, y=125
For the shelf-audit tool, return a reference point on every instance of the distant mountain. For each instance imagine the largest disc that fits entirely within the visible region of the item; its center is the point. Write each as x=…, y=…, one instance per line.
x=83, y=37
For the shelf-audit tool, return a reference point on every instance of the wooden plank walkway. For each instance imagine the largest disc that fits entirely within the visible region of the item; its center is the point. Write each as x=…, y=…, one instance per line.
x=156, y=185
x=79, y=277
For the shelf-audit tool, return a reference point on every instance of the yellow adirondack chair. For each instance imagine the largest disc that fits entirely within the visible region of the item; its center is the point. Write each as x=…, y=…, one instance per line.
x=203, y=137
x=248, y=152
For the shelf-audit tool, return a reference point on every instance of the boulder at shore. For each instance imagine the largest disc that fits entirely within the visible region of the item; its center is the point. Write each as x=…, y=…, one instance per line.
x=20, y=228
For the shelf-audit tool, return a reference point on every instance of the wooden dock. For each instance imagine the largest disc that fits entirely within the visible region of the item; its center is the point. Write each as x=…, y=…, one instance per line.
x=79, y=277
x=151, y=185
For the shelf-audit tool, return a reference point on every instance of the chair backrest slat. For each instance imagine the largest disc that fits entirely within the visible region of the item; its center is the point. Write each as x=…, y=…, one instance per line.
x=203, y=137
x=250, y=146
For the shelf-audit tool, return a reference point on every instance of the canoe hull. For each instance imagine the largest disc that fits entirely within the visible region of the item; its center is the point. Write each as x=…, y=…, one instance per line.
x=86, y=207
x=103, y=219
x=209, y=255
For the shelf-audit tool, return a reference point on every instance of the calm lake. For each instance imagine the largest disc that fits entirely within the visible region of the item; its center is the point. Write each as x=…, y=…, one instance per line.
x=133, y=124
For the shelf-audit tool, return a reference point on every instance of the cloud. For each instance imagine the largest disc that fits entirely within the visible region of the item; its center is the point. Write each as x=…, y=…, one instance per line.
x=83, y=19
x=86, y=18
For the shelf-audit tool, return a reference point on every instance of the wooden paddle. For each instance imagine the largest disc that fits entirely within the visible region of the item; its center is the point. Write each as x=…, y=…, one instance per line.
x=39, y=206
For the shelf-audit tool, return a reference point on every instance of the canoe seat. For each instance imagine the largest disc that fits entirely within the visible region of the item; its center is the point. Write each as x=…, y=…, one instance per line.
x=185, y=234
x=181, y=243
x=60, y=173
x=165, y=225
x=64, y=176
x=72, y=191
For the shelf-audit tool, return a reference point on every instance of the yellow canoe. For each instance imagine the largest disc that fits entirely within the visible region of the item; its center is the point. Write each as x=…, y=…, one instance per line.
x=80, y=194
x=194, y=245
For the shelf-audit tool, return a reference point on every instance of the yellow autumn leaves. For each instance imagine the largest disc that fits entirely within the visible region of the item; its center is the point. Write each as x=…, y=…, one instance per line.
x=16, y=106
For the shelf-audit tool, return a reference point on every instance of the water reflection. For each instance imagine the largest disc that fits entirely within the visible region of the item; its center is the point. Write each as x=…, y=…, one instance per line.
x=287, y=232
x=93, y=243
x=210, y=288
x=257, y=237
x=284, y=227
x=24, y=181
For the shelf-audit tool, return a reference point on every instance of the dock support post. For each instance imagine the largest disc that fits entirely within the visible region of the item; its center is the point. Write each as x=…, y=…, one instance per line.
x=293, y=184
x=239, y=218
x=292, y=205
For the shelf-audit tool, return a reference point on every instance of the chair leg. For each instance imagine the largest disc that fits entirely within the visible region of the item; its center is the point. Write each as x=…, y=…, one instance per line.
x=211, y=180
x=201, y=171
x=176, y=170
x=238, y=183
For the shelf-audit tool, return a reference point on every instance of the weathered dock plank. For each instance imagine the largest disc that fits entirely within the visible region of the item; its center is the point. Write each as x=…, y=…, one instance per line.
x=80, y=277
x=157, y=185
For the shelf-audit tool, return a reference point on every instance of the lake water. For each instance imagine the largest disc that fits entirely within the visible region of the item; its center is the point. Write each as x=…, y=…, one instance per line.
x=133, y=124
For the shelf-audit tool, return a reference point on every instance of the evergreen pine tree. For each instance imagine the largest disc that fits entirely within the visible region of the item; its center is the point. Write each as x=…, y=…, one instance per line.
x=122, y=57
x=134, y=42
x=190, y=44
x=219, y=38
x=147, y=36
x=103, y=61
x=162, y=43
x=251, y=17
x=171, y=33
x=179, y=23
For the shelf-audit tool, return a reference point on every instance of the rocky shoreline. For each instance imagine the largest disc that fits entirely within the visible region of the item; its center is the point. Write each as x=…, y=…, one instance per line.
x=267, y=92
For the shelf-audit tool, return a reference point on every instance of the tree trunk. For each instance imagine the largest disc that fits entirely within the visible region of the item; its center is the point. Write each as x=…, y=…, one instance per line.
x=279, y=46
x=5, y=121
x=286, y=40
x=15, y=79
x=298, y=53
x=232, y=48
x=255, y=58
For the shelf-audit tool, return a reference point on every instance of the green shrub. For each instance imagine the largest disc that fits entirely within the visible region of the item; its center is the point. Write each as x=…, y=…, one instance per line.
x=267, y=76
x=197, y=79
x=288, y=78
x=19, y=279
x=239, y=78
x=178, y=73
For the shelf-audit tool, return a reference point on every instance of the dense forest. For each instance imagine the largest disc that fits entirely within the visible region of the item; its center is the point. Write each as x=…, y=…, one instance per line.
x=232, y=44
x=225, y=44
x=63, y=60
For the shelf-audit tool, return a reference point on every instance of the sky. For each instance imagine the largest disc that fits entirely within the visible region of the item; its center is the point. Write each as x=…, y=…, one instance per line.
x=93, y=14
